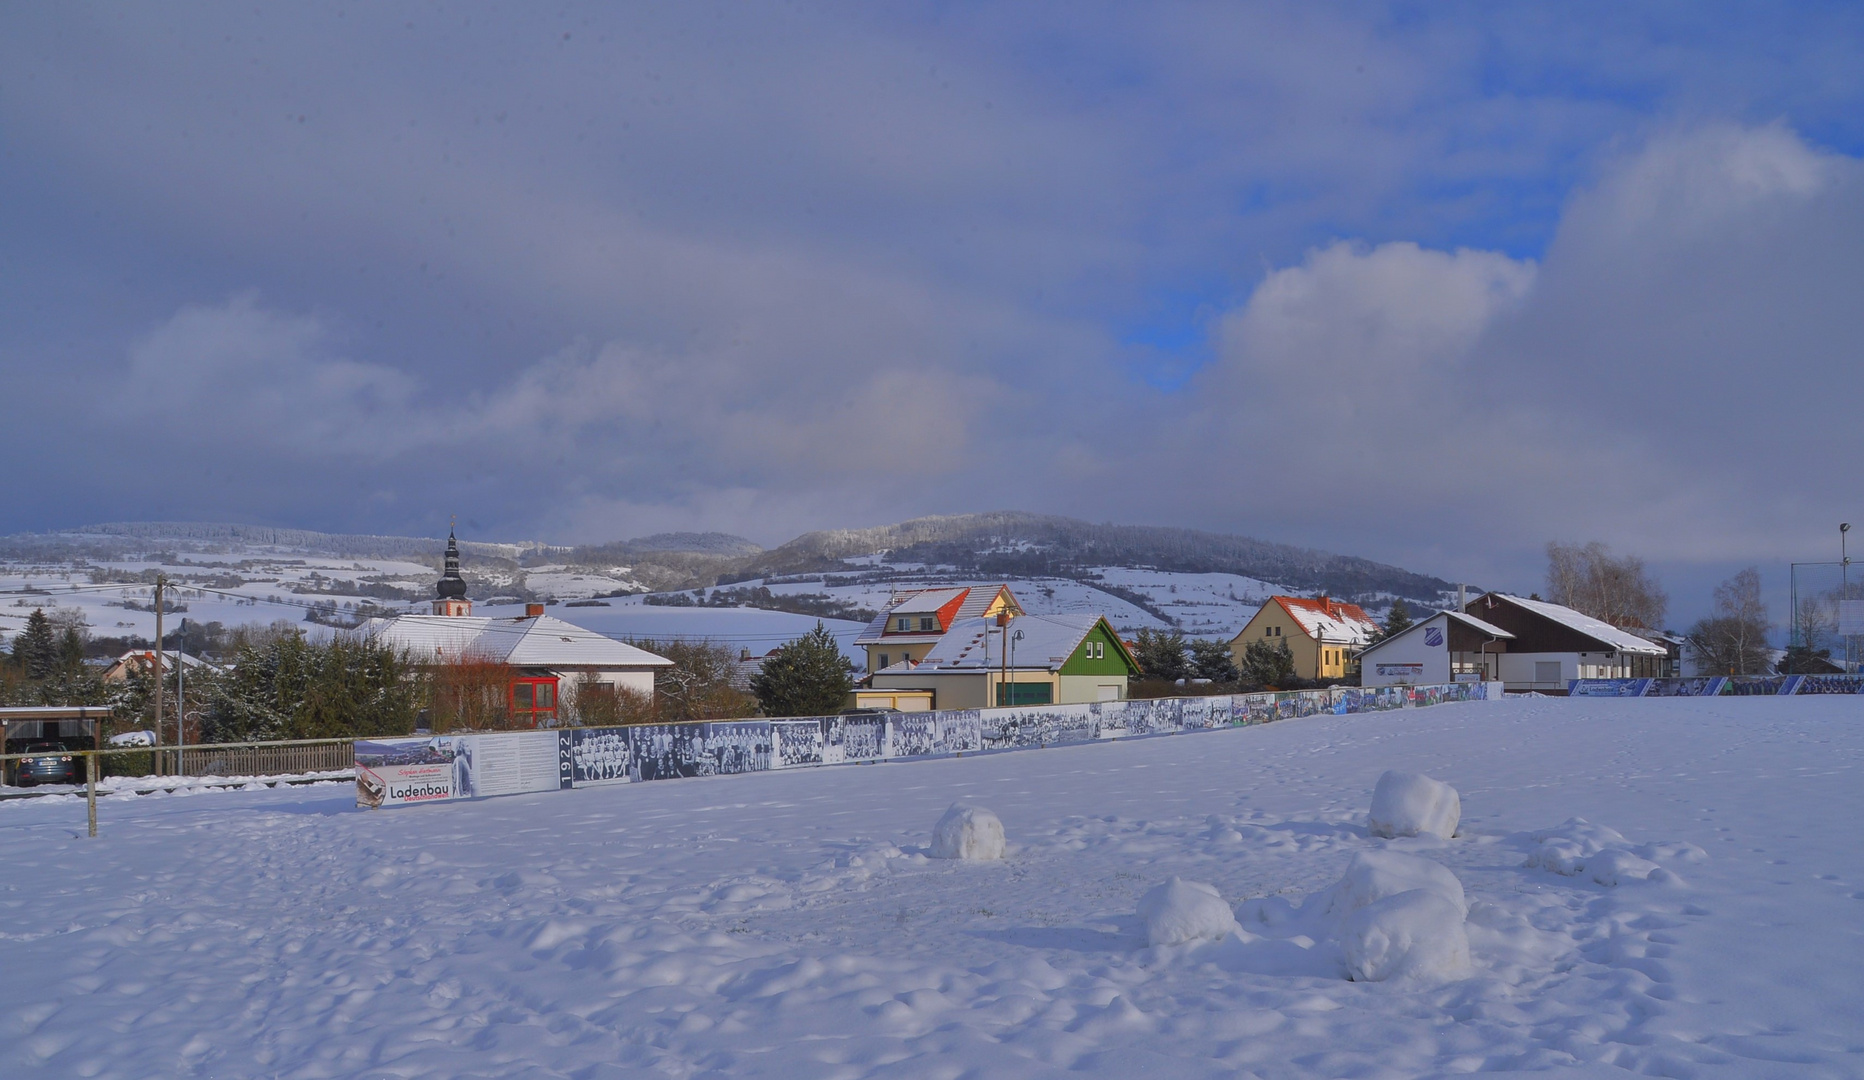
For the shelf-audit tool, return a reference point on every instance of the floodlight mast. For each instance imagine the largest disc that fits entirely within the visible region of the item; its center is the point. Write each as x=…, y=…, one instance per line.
x=1844, y=587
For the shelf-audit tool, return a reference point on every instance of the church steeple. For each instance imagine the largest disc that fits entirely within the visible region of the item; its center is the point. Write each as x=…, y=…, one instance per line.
x=450, y=592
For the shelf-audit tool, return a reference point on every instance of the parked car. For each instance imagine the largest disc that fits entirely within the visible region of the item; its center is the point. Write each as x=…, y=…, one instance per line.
x=871, y=710
x=57, y=766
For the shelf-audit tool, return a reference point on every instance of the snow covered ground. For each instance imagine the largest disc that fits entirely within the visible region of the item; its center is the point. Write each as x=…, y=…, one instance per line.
x=789, y=925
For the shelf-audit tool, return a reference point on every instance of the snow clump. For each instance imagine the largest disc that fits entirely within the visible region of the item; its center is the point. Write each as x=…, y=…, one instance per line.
x=1414, y=936
x=1180, y=911
x=967, y=832
x=1579, y=848
x=1412, y=804
x=1374, y=876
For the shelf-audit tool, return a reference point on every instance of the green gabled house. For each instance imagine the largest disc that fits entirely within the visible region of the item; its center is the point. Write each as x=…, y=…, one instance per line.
x=1019, y=660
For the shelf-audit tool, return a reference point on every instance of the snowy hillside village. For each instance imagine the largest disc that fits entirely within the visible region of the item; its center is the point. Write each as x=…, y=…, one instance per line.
x=918, y=622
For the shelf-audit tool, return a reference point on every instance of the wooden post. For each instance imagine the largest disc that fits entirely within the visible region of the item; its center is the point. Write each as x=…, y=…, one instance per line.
x=90, y=789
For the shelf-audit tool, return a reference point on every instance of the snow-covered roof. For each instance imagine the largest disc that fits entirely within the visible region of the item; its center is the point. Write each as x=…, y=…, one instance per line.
x=976, y=600
x=539, y=641
x=975, y=644
x=1329, y=620
x=1470, y=621
x=926, y=601
x=1603, y=632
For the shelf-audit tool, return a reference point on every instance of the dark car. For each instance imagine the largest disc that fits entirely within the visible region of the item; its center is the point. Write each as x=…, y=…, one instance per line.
x=57, y=766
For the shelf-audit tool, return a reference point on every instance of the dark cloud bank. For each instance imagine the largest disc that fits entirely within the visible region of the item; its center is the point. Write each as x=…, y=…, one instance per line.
x=1319, y=278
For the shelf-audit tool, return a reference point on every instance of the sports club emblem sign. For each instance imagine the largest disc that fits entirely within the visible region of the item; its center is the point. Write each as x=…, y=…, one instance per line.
x=1433, y=637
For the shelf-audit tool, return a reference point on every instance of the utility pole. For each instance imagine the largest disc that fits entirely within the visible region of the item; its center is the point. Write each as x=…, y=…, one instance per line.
x=181, y=696
x=159, y=582
x=1003, y=623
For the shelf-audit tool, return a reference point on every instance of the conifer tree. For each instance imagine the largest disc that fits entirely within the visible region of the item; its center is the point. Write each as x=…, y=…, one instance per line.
x=1397, y=621
x=35, y=650
x=806, y=677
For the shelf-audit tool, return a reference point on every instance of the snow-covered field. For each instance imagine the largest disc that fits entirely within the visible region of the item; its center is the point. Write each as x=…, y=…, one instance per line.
x=790, y=925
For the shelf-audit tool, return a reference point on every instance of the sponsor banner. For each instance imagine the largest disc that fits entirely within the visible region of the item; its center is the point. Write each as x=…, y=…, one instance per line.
x=667, y=751
x=834, y=728
x=798, y=743
x=1831, y=684
x=1257, y=708
x=1607, y=687
x=507, y=763
x=395, y=772
x=738, y=746
x=912, y=734
x=1760, y=685
x=1399, y=671
x=959, y=730
x=1708, y=686
x=591, y=757
x=863, y=738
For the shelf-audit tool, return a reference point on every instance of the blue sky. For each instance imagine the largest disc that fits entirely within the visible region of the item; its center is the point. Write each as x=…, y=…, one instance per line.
x=1428, y=283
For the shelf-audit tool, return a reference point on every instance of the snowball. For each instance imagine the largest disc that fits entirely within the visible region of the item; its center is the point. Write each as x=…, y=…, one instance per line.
x=967, y=832
x=1180, y=911
x=1412, y=804
x=1413, y=936
x=1373, y=876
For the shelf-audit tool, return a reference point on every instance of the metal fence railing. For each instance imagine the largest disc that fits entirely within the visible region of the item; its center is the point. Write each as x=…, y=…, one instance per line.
x=226, y=759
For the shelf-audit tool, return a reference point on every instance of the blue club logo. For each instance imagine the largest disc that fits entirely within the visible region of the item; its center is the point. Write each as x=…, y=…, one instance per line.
x=1433, y=637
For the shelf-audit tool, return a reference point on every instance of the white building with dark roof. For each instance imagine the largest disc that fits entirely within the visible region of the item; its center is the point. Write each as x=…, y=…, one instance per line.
x=1445, y=647
x=1552, y=645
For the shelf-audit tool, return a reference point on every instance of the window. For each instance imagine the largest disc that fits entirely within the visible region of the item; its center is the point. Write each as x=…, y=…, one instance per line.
x=883, y=660
x=926, y=622
x=903, y=624
x=534, y=700
x=1100, y=650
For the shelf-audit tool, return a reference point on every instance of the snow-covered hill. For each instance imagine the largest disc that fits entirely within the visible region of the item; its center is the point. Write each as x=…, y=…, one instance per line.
x=100, y=577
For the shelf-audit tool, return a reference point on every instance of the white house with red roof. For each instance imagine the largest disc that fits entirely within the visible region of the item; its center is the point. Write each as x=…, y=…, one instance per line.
x=1324, y=635
x=916, y=620
x=550, y=660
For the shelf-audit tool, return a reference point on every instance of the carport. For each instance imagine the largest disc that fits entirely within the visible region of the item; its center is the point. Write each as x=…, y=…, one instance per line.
x=76, y=727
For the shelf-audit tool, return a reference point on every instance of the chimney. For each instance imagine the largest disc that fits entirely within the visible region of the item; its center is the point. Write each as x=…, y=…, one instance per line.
x=532, y=611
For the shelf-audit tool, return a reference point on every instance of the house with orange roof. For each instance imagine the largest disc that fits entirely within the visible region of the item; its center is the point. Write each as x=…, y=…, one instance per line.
x=915, y=620
x=1324, y=635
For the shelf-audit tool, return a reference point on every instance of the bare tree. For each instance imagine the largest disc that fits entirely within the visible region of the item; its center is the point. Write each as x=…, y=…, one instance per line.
x=1733, y=641
x=1615, y=589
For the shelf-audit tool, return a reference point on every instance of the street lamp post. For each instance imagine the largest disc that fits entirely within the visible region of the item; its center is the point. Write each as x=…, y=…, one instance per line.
x=1844, y=586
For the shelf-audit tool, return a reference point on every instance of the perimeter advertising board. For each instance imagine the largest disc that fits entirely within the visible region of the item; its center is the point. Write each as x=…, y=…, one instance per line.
x=395, y=772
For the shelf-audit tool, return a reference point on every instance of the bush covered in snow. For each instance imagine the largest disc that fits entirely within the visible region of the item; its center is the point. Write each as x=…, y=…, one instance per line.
x=1412, y=804
x=1375, y=875
x=967, y=832
x=1416, y=935
x=1180, y=911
